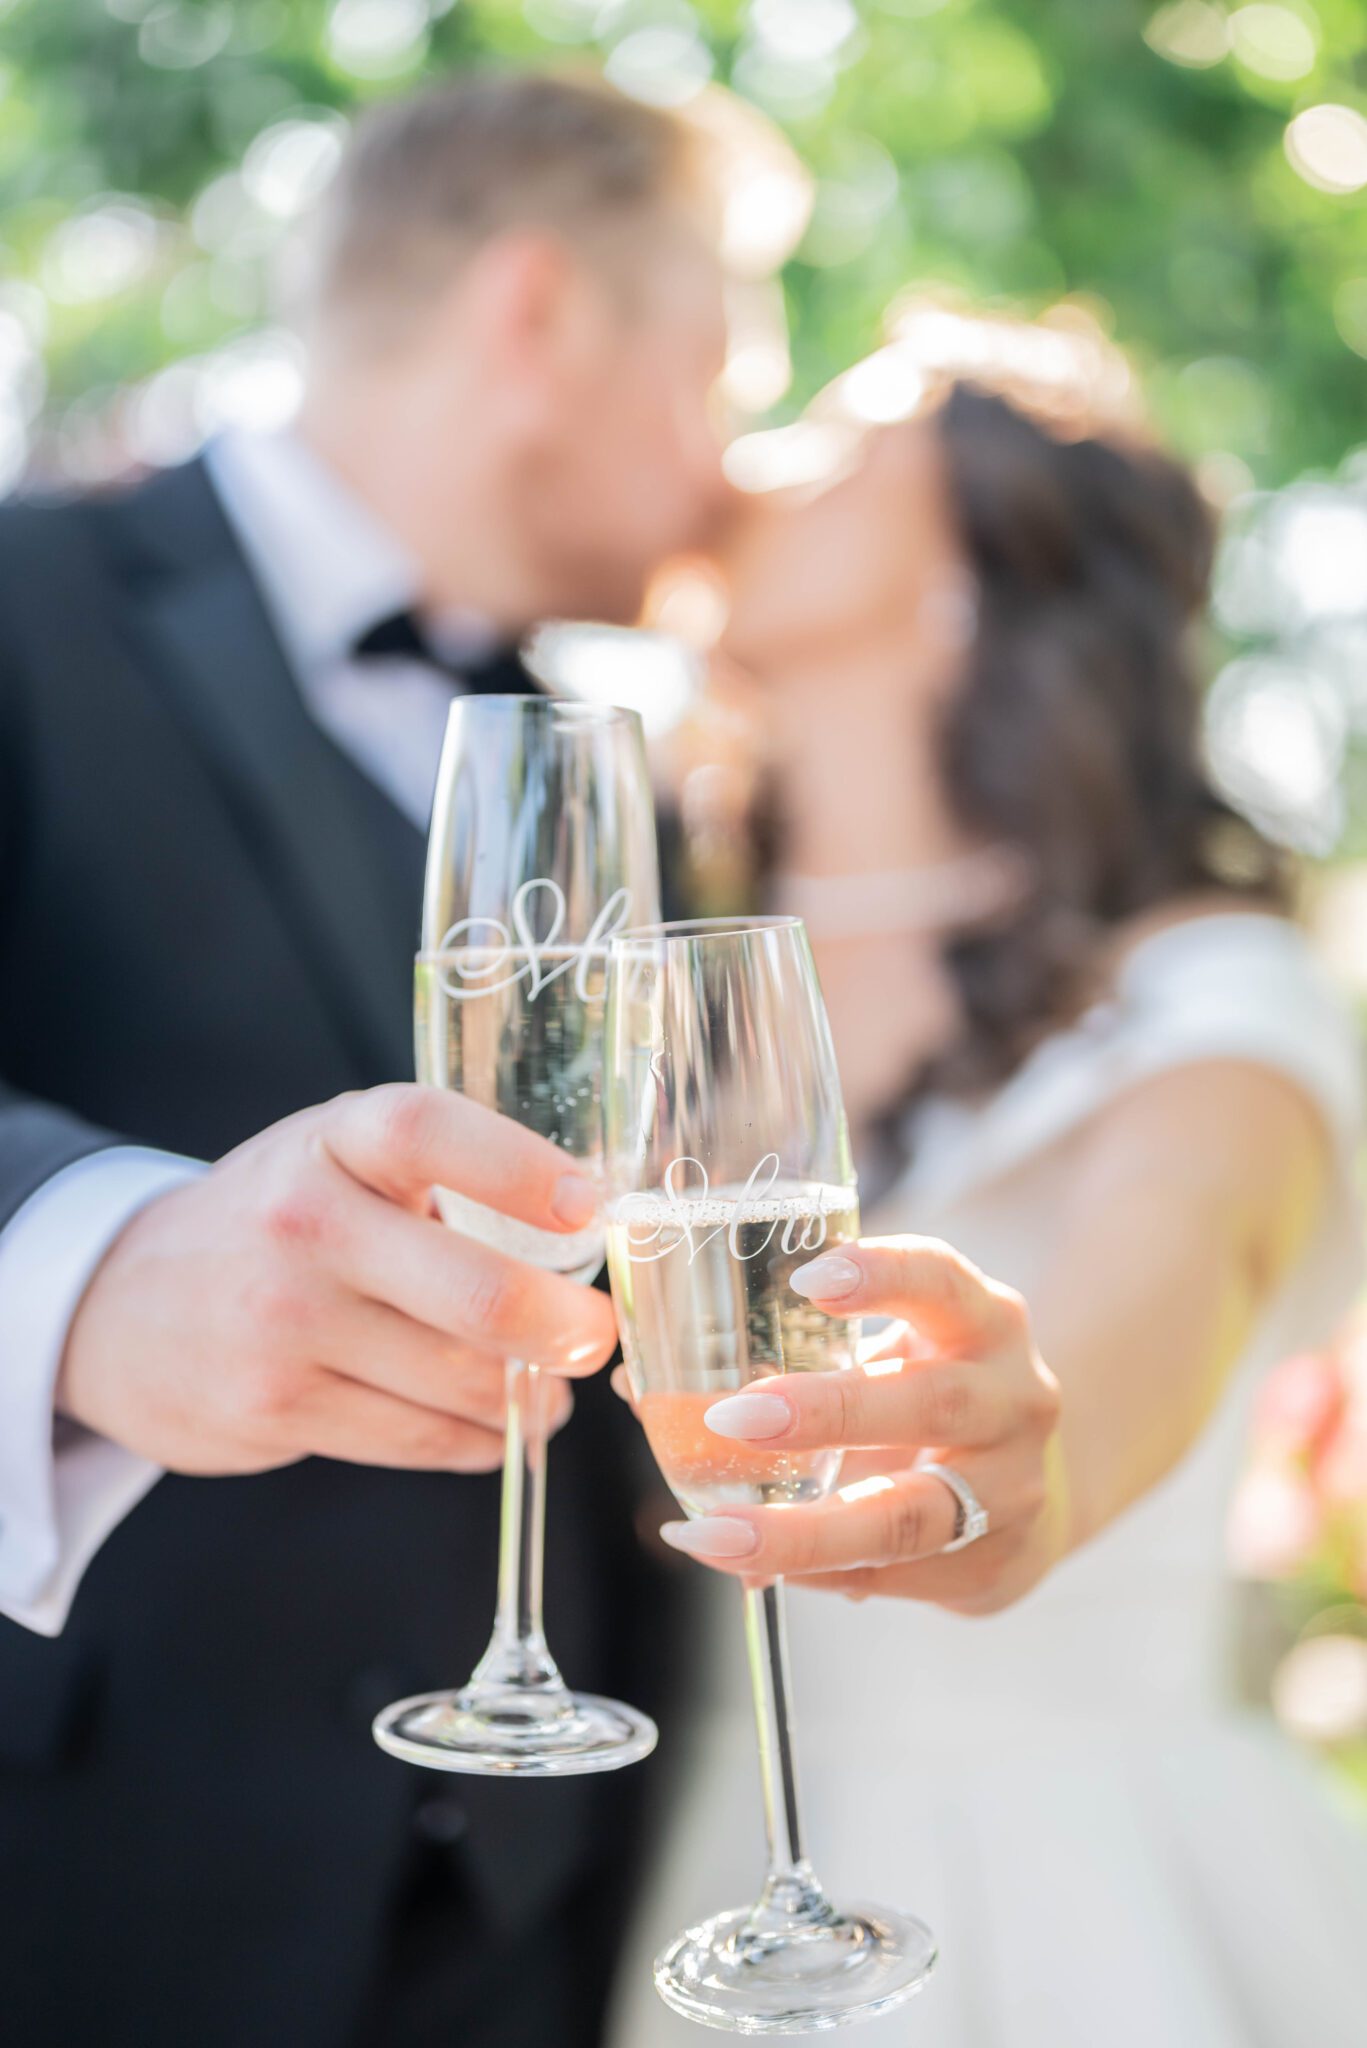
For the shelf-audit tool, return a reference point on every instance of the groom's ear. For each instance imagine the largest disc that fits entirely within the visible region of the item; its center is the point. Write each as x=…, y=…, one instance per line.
x=529, y=314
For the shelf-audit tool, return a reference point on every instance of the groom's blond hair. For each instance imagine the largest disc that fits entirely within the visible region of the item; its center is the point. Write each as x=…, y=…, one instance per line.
x=427, y=179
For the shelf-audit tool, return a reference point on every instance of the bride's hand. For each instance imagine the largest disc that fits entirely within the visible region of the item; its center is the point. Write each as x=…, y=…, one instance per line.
x=957, y=1380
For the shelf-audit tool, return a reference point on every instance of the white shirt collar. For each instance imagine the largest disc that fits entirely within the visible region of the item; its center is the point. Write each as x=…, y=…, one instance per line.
x=327, y=568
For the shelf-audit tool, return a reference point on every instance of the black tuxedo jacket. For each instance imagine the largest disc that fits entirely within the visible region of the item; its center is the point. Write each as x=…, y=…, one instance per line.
x=207, y=919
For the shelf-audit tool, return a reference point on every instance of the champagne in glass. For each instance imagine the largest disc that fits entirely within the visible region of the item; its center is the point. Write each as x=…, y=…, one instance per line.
x=729, y=1167
x=542, y=846
x=710, y=1322
x=533, y=1048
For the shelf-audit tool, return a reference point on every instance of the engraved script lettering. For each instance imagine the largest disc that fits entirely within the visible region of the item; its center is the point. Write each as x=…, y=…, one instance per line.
x=689, y=1214
x=491, y=958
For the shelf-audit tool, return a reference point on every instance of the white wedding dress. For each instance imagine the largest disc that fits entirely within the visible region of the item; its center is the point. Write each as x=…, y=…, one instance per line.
x=1112, y=1852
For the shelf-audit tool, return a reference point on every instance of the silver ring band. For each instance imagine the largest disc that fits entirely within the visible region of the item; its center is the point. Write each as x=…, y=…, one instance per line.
x=971, y=1518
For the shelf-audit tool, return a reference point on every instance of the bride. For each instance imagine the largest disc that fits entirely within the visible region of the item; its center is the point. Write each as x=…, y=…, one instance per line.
x=1063, y=978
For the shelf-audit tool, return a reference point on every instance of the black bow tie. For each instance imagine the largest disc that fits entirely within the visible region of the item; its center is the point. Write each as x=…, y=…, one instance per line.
x=499, y=673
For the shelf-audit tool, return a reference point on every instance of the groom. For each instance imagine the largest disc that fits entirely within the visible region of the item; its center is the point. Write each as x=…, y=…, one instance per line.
x=221, y=701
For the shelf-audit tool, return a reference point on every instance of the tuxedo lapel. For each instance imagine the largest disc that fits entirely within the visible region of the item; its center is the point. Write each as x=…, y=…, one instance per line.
x=304, y=812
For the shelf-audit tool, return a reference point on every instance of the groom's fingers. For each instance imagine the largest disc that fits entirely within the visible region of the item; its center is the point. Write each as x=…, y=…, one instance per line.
x=472, y=1292
x=380, y=1348
x=401, y=1140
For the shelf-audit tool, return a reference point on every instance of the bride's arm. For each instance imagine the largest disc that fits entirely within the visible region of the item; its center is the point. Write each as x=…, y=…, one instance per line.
x=1188, y=1200
x=1192, y=1199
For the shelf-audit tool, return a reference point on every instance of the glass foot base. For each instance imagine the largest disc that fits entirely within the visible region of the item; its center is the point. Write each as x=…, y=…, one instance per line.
x=861, y=1963
x=504, y=1731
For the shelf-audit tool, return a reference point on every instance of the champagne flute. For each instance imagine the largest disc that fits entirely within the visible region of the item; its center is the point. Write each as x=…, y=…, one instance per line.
x=542, y=845
x=728, y=1167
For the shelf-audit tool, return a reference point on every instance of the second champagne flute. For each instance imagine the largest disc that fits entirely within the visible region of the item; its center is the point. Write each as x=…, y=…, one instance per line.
x=542, y=845
x=729, y=1167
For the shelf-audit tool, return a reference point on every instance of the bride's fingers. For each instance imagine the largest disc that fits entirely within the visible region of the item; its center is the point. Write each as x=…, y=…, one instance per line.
x=905, y=1407
x=874, y=1464
x=889, y=1519
x=942, y=1294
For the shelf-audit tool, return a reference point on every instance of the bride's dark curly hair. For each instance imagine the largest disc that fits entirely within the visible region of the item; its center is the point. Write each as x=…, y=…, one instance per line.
x=1074, y=734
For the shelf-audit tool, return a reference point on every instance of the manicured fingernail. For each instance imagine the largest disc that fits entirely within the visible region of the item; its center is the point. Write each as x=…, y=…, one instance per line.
x=826, y=1279
x=575, y=1201
x=576, y=1354
x=751, y=1417
x=716, y=1536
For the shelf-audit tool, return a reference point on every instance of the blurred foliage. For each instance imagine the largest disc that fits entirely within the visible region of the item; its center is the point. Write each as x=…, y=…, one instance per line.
x=1016, y=148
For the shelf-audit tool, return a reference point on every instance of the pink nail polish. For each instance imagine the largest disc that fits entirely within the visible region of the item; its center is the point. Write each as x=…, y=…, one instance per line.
x=751, y=1417
x=826, y=1279
x=714, y=1536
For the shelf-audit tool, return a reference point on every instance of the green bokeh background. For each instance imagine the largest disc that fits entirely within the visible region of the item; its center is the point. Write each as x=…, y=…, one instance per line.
x=1039, y=147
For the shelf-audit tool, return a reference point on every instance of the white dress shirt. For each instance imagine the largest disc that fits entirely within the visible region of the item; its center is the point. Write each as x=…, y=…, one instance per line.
x=326, y=572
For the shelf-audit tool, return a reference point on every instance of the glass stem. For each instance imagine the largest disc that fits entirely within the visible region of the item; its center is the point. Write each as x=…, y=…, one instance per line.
x=517, y=1654
x=792, y=1901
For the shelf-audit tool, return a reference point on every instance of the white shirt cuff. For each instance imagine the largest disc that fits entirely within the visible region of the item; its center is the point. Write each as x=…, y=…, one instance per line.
x=63, y=1489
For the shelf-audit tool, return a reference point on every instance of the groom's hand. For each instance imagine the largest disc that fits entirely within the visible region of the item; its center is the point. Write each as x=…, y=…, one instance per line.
x=301, y=1297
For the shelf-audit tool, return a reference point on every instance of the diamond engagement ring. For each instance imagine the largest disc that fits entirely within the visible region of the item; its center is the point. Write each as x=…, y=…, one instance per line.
x=970, y=1517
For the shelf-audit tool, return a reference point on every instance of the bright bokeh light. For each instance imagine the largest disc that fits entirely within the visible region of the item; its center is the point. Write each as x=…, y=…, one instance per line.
x=22, y=385
x=227, y=221
x=1273, y=41
x=1319, y=1692
x=1190, y=32
x=1276, y=736
x=290, y=163
x=759, y=367
x=159, y=423
x=757, y=374
x=1062, y=362
x=255, y=383
x=803, y=31
x=28, y=306
x=99, y=253
x=807, y=452
x=1274, y=1523
x=650, y=673
x=1327, y=145
x=766, y=189
x=666, y=66
x=689, y=600
x=14, y=443
x=1297, y=559
x=1320, y=553
x=888, y=385
x=764, y=214
x=377, y=38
